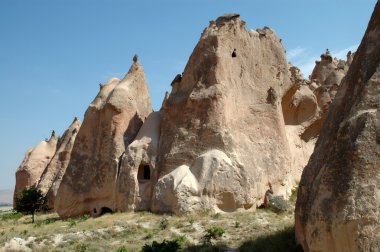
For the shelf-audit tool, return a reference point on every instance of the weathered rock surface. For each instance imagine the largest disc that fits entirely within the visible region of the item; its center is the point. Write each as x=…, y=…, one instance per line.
x=338, y=201
x=306, y=103
x=213, y=180
x=228, y=100
x=110, y=124
x=139, y=167
x=51, y=178
x=34, y=164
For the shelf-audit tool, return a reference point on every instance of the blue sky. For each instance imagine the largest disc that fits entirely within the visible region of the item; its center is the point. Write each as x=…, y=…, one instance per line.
x=53, y=54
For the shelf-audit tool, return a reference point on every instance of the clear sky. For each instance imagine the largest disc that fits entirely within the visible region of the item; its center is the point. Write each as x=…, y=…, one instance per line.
x=54, y=53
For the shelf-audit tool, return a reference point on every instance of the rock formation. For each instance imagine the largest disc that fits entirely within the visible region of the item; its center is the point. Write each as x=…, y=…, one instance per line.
x=34, y=164
x=52, y=176
x=222, y=132
x=136, y=177
x=238, y=122
x=110, y=124
x=306, y=103
x=338, y=200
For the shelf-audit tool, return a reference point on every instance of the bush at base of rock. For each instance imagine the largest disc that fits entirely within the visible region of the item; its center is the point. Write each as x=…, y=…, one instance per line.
x=213, y=233
x=165, y=245
x=278, y=204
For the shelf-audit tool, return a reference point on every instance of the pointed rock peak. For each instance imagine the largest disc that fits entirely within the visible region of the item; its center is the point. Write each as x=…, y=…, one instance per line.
x=76, y=122
x=136, y=66
x=53, y=138
x=135, y=58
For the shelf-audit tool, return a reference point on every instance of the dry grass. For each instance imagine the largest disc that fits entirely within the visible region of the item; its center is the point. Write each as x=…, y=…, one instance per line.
x=133, y=230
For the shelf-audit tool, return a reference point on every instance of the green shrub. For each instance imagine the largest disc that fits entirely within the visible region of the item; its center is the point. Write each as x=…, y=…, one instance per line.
x=213, y=233
x=149, y=236
x=10, y=216
x=237, y=224
x=191, y=220
x=39, y=223
x=164, y=223
x=81, y=247
x=165, y=246
x=84, y=217
x=71, y=222
x=30, y=201
x=122, y=249
x=48, y=221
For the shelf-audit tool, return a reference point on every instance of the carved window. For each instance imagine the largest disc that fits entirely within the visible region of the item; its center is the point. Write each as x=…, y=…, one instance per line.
x=143, y=172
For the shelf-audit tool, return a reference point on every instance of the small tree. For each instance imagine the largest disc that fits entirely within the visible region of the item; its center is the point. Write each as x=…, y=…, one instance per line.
x=30, y=201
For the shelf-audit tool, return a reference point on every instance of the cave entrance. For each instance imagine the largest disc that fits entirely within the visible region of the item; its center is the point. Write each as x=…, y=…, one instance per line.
x=105, y=210
x=143, y=172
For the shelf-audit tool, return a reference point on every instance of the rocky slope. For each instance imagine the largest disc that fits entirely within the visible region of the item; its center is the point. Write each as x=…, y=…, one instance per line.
x=338, y=204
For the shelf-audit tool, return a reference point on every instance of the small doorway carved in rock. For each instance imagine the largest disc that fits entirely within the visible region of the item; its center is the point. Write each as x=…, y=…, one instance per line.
x=105, y=210
x=143, y=172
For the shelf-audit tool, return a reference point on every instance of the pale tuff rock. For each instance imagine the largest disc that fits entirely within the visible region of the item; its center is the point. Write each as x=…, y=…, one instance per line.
x=306, y=103
x=300, y=110
x=338, y=199
x=110, y=124
x=52, y=176
x=34, y=164
x=138, y=169
x=237, y=124
x=228, y=99
x=212, y=182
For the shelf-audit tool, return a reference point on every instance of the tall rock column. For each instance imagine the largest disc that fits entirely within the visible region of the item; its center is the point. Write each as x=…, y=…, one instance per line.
x=110, y=124
x=223, y=136
x=338, y=204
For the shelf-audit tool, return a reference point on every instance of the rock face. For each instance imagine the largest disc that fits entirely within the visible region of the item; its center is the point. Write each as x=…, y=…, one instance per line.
x=52, y=176
x=34, y=164
x=306, y=103
x=338, y=200
x=110, y=124
x=136, y=178
x=222, y=133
